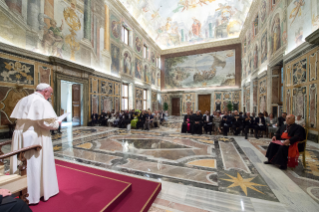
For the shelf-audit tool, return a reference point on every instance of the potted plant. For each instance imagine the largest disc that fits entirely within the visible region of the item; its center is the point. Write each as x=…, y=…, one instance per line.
x=165, y=106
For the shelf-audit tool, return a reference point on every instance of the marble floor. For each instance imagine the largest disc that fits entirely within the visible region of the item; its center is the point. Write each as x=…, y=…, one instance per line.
x=198, y=172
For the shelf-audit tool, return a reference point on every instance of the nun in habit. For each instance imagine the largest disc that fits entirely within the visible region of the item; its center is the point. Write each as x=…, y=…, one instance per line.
x=35, y=118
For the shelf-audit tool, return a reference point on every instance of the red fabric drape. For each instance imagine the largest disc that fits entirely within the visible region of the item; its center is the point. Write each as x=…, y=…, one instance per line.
x=293, y=152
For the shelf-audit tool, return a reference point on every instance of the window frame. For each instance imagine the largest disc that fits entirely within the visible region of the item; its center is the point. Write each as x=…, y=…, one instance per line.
x=144, y=99
x=145, y=48
x=126, y=40
x=126, y=98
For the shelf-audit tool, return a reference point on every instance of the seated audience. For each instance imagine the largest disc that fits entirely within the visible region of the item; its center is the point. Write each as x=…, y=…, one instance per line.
x=197, y=123
x=187, y=124
x=226, y=123
x=149, y=120
x=156, y=122
x=270, y=123
x=135, y=119
x=103, y=118
x=237, y=123
x=288, y=134
x=207, y=122
x=248, y=124
x=9, y=203
x=282, y=120
x=141, y=120
x=216, y=122
x=162, y=116
x=266, y=117
x=260, y=124
x=94, y=119
x=300, y=121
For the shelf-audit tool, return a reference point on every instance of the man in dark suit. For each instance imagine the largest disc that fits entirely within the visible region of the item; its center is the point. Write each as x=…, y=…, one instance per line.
x=207, y=122
x=226, y=122
x=237, y=123
x=103, y=119
x=282, y=120
x=94, y=118
x=162, y=116
x=260, y=124
x=141, y=120
x=8, y=203
x=149, y=120
x=248, y=124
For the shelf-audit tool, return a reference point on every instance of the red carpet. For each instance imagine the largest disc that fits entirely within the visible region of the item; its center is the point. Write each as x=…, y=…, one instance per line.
x=87, y=189
x=83, y=191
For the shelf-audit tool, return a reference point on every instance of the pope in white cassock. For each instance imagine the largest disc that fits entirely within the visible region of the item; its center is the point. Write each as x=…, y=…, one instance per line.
x=35, y=118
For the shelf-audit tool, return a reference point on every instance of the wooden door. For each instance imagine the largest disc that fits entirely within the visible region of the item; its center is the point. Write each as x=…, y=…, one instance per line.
x=204, y=103
x=76, y=103
x=175, y=106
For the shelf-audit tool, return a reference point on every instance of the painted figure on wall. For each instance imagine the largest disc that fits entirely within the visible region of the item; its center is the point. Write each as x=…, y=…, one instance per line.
x=116, y=28
x=299, y=36
x=158, y=79
x=153, y=78
x=138, y=44
x=146, y=74
x=196, y=27
x=115, y=51
x=256, y=57
x=127, y=61
x=138, y=69
x=53, y=40
x=264, y=48
x=276, y=34
x=263, y=10
x=213, y=69
x=296, y=11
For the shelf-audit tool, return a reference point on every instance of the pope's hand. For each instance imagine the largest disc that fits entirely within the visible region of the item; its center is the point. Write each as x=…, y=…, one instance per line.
x=60, y=122
x=5, y=192
x=274, y=138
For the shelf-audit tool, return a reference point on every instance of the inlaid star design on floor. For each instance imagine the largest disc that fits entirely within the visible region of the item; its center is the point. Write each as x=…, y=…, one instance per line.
x=223, y=139
x=243, y=183
x=57, y=148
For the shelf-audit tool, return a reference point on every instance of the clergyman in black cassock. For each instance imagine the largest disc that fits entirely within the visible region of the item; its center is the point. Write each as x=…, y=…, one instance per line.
x=8, y=203
x=187, y=121
x=197, y=124
x=278, y=154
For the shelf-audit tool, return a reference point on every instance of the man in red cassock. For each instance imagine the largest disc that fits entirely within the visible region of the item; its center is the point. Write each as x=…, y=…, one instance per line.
x=284, y=149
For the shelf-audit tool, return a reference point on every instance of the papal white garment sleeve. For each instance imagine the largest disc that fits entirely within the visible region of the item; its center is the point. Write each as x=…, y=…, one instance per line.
x=35, y=118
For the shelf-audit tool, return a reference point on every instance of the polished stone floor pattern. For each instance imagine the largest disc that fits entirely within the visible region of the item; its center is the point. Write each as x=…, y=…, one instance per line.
x=203, y=161
x=198, y=173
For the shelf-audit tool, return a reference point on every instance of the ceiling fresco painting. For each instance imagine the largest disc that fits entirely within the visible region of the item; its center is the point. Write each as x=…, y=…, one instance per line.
x=177, y=23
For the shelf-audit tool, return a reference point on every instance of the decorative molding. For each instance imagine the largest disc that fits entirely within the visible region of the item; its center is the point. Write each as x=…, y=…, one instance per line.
x=297, y=51
x=61, y=62
x=313, y=38
x=23, y=52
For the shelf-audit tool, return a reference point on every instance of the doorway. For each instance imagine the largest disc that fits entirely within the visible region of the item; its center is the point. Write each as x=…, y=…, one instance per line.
x=71, y=102
x=204, y=103
x=176, y=106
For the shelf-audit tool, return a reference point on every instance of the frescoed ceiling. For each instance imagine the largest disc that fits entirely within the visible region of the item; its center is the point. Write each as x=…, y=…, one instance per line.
x=177, y=23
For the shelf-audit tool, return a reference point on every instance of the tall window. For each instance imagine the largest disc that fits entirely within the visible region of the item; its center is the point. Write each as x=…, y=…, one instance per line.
x=145, y=51
x=159, y=62
x=125, y=97
x=126, y=35
x=210, y=30
x=144, y=99
x=182, y=35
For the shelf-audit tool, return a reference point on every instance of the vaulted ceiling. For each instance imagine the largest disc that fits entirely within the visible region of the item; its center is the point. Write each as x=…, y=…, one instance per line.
x=179, y=23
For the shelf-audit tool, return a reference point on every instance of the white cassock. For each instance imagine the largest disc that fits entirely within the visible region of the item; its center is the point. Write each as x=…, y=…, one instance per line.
x=35, y=118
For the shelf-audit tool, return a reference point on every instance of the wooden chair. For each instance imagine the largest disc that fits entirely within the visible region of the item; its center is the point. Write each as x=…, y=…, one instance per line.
x=304, y=151
x=16, y=183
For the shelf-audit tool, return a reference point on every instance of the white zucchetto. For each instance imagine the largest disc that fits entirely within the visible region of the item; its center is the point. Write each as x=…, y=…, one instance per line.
x=42, y=86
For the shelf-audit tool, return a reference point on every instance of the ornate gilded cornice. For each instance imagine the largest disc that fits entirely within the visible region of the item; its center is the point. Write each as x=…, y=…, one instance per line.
x=313, y=38
x=23, y=52
x=61, y=62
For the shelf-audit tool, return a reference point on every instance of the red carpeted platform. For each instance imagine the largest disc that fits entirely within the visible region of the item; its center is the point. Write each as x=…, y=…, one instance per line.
x=87, y=189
